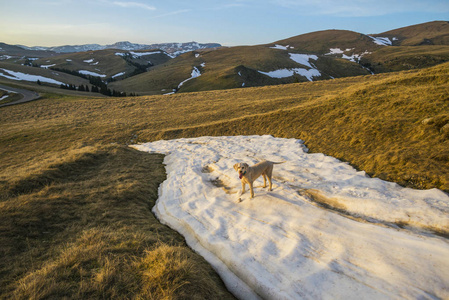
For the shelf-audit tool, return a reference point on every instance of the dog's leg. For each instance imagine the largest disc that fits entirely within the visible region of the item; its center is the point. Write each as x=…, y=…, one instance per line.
x=269, y=174
x=243, y=188
x=264, y=180
x=251, y=189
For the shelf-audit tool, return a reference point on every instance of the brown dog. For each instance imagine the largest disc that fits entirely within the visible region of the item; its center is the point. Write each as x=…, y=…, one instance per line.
x=249, y=174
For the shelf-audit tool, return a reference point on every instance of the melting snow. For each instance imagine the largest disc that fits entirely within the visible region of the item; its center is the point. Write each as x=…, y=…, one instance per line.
x=195, y=73
x=137, y=54
x=279, y=245
x=283, y=73
x=354, y=57
x=88, y=60
x=338, y=51
x=303, y=59
x=280, y=47
x=118, y=74
x=47, y=66
x=91, y=73
x=27, y=77
x=383, y=41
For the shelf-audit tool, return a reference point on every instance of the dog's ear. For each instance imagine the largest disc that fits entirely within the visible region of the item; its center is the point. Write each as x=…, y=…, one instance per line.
x=245, y=165
x=236, y=167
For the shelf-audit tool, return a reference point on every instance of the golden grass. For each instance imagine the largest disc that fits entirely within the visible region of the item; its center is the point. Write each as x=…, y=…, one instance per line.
x=81, y=227
x=76, y=219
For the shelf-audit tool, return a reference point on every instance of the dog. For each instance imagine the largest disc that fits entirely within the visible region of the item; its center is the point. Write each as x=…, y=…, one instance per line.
x=248, y=175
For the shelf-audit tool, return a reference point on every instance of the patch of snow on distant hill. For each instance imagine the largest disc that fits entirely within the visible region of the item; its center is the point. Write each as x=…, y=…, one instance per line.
x=383, y=41
x=27, y=77
x=137, y=54
x=303, y=59
x=118, y=74
x=283, y=73
x=338, y=51
x=353, y=57
x=195, y=73
x=280, y=47
x=47, y=66
x=88, y=60
x=85, y=72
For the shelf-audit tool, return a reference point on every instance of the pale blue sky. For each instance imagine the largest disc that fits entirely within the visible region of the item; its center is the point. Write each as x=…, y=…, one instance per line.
x=229, y=22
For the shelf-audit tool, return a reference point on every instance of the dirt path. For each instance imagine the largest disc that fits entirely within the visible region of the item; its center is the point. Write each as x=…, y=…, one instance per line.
x=27, y=95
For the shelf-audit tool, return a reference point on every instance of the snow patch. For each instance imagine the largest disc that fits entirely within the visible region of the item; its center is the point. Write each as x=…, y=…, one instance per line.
x=89, y=60
x=85, y=72
x=137, y=54
x=280, y=47
x=27, y=77
x=383, y=41
x=195, y=73
x=353, y=57
x=280, y=245
x=303, y=59
x=283, y=73
x=47, y=66
x=118, y=74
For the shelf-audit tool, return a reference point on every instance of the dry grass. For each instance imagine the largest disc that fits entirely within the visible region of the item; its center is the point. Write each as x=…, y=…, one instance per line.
x=81, y=227
x=76, y=219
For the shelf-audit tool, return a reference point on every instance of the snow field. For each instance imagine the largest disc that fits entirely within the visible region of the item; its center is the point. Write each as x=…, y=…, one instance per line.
x=280, y=245
x=195, y=73
x=27, y=77
x=85, y=72
x=303, y=59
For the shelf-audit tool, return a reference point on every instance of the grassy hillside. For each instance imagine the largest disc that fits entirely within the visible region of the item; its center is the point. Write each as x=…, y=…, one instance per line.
x=321, y=41
x=340, y=53
x=58, y=76
x=388, y=59
x=75, y=202
x=431, y=33
x=105, y=62
x=228, y=68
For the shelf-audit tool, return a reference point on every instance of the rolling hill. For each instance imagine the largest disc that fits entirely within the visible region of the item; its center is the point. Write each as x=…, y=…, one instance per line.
x=309, y=57
x=313, y=56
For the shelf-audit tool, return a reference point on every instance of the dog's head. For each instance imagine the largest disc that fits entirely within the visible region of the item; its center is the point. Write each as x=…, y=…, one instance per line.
x=241, y=168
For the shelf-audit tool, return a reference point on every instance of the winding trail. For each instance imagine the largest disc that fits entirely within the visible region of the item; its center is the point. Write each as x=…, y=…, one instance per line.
x=27, y=95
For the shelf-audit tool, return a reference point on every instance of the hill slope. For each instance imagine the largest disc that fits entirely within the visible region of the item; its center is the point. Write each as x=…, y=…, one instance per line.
x=431, y=33
x=309, y=57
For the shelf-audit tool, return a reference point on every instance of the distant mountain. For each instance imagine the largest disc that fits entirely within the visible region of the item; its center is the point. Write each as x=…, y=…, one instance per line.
x=10, y=50
x=173, y=49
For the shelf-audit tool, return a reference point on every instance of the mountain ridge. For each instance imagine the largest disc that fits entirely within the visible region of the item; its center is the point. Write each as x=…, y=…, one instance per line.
x=171, y=48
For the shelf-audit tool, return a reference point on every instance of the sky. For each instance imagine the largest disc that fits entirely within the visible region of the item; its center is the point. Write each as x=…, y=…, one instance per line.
x=228, y=22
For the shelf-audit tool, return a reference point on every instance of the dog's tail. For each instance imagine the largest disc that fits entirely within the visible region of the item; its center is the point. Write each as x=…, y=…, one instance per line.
x=278, y=163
